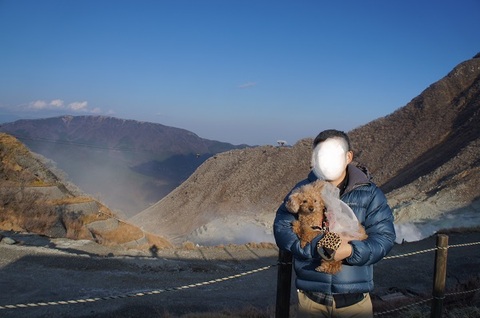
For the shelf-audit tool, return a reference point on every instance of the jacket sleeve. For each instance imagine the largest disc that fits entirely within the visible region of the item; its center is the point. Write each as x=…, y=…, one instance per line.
x=287, y=240
x=380, y=230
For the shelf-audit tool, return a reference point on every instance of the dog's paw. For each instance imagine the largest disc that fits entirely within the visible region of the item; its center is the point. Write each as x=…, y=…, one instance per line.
x=329, y=267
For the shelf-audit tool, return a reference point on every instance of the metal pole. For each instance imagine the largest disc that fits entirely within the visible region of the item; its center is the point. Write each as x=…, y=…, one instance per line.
x=439, y=276
x=284, y=282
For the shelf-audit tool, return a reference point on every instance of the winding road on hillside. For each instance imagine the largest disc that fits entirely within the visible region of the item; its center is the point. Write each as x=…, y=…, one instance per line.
x=109, y=282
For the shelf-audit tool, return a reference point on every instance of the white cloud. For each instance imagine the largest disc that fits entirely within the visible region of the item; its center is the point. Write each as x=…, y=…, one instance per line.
x=38, y=104
x=78, y=106
x=41, y=104
x=57, y=103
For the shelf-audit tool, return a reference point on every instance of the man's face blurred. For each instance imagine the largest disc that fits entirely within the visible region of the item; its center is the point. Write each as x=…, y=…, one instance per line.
x=329, y=159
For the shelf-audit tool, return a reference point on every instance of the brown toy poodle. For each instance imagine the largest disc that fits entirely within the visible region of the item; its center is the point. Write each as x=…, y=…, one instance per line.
x=307, y=202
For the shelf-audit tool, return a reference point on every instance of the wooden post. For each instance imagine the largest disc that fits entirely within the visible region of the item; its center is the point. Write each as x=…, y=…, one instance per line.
x=284, y=282
x=439, y=276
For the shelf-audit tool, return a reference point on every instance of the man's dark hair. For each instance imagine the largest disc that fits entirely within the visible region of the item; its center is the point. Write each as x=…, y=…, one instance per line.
x=330, y=133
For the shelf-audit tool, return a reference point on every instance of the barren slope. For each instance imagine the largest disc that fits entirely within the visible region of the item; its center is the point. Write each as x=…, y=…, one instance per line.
x=238, y=183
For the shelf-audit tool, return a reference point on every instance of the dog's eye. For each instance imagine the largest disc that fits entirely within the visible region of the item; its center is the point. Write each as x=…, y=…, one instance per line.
x=304, y=201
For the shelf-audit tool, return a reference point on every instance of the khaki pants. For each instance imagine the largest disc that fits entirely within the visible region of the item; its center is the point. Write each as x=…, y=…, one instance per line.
x=307, y=308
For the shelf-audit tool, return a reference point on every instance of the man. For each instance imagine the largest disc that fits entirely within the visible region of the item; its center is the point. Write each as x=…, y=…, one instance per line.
x=345, y=294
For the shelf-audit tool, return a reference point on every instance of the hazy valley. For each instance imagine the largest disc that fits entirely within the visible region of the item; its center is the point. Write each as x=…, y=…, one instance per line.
x=126, y=164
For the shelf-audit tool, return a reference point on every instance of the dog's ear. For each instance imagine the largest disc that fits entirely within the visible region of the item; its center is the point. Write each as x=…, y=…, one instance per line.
x=293, y=203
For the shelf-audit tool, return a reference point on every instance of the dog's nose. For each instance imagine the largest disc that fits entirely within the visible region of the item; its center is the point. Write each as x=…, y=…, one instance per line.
x=311, y=208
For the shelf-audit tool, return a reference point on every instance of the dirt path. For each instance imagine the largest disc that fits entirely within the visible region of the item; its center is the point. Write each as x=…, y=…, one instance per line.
x=43, y=270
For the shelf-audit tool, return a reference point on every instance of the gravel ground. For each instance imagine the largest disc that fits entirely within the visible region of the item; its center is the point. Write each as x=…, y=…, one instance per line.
x=38, y=269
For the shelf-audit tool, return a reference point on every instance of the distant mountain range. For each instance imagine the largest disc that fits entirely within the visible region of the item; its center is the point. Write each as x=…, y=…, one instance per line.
x=425, y=156
x=126, y=164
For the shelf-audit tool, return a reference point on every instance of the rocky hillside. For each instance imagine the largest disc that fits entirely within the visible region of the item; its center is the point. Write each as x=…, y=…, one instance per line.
x=425, y=134
x=127, y=164
x=425, y=155
x=33, y=199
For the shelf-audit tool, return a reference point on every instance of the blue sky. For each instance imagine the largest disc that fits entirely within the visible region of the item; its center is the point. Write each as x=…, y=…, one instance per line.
x=249, y=71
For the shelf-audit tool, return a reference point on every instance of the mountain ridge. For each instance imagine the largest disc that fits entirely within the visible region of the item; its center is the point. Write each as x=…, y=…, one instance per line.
x=115, y=134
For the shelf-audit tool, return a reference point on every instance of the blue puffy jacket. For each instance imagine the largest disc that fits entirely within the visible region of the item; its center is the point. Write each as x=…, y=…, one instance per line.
x=370, y=206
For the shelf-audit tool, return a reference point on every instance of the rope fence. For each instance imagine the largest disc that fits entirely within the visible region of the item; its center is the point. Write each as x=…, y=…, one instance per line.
x=284, y=263
x=136, y=294
x=405, y=307
x=401, y=308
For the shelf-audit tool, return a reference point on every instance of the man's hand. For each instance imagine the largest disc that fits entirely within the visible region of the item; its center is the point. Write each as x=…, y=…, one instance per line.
x=345, y=249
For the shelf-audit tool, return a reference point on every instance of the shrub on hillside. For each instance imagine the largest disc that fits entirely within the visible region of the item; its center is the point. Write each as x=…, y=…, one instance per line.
x=25, y=210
